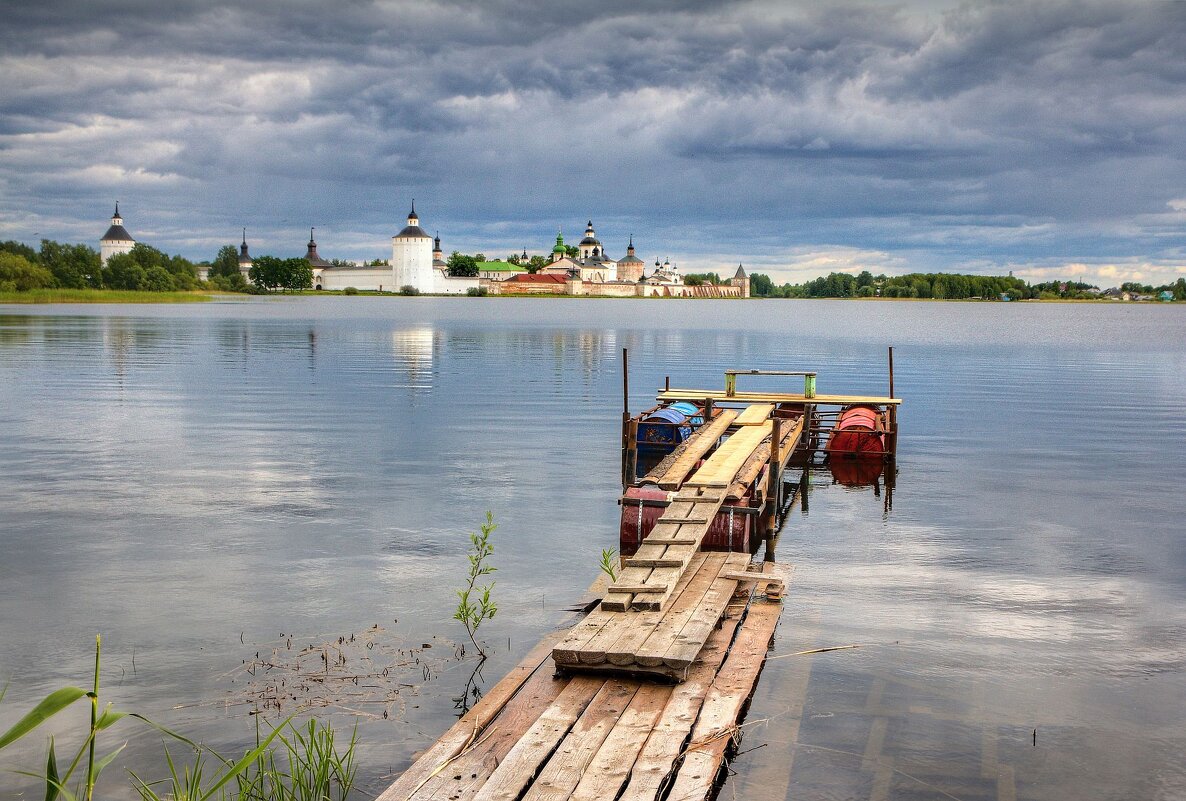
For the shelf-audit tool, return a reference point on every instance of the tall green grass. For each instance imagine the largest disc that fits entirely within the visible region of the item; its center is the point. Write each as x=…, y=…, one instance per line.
x=102, y=296
x=307, y=765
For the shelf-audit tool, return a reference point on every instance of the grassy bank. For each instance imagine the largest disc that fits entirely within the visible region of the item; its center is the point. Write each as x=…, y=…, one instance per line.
x=102, y=296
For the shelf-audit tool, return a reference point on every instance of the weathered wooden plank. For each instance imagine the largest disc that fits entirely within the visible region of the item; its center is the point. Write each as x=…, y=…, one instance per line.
x=754, y=415
x=657, y=561
x=611, y=765
x=626, y=649
x=617, y=601
x=723, y=465
x=730, y=691
x=683, y=608
x=593, y=651
x=470, y=727
x=761, y=455
x=582, y=632
x=533, y=747
x=697, y=445
x=666, y=740
x=563, y=771
x=774, y=397
x=690, y=639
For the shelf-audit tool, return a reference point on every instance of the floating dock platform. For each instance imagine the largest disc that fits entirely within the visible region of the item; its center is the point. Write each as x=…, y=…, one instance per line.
x=644, y=696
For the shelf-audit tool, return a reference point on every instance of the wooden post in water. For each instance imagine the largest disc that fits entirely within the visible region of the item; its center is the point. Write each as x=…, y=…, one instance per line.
x=773, y=487
x=625, y=415
x=892, y=436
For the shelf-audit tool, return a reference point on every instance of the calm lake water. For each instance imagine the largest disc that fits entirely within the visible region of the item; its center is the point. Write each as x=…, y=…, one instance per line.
x=208, y=483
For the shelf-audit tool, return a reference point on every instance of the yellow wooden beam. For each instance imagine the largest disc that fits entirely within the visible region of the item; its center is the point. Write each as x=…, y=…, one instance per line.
x=774, y=397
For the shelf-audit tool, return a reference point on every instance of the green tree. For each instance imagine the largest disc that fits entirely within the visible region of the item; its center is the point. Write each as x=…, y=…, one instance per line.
x=572, y=251
x=19, y=274
x=462, y=266
x=19, y=249
x=157, y=279
x=299, y=274
x=1180, y=289
x=536, y=263
x=74, y=266
x=267, y=272
x=760, y=285
x=123, y=272
x=226, y=263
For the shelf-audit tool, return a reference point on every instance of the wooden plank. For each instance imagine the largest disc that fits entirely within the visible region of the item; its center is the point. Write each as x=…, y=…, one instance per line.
x=533, y=749
x=466, y=730
x=717, y=724
x=666, y=741
x=610, y=767
x=659, y=561
x=723, y=465
x=775, y=397
x=617, y=601
x=621, y=651
x=753, y=466
x=697, y=445
x=755, y=415
x=630, y=648
x=564, y=769
x=685, y=645
x=593, y=650
x=682, y=609
x=581, y=633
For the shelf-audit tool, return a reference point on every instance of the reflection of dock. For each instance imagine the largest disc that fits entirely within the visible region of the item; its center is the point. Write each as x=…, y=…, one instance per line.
x=644, y=696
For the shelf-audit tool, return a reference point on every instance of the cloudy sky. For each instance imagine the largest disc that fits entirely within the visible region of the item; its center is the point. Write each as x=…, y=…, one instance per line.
x=1048, y=139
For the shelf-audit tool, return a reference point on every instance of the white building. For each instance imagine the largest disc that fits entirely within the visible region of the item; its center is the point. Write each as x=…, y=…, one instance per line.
x=116, y=240
x=416, y=261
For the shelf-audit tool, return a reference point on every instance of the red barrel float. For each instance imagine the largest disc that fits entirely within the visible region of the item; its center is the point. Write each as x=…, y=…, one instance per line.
x=859, y=433
x=729, y=531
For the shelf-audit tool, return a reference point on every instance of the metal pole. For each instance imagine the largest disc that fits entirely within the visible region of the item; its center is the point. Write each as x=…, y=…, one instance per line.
x=773, y=487
x=625, y=417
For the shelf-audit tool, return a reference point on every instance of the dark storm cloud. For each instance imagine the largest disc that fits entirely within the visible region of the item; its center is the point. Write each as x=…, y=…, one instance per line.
x=982, y=136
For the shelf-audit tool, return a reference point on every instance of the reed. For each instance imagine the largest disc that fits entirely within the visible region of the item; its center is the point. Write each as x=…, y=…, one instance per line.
x=102, y=296
x=474, y=602
x=308, y=765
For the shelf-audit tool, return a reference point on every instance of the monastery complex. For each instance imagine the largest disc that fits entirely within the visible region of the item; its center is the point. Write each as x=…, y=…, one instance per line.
x=417, y=261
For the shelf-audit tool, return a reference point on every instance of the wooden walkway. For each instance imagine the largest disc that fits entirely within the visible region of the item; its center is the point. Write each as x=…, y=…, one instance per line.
x=656, y=642
x=598, y=737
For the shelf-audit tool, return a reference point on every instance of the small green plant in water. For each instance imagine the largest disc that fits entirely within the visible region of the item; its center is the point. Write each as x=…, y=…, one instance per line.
x=312, y=757
x=609, y=563
x=474, y=604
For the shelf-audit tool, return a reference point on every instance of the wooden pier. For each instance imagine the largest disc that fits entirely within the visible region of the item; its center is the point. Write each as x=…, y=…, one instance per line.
x=597, y=736
x=643, y=696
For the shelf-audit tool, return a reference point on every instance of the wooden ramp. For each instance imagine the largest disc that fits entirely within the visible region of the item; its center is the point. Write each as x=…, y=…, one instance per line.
x=601, y=737
x=663, y=643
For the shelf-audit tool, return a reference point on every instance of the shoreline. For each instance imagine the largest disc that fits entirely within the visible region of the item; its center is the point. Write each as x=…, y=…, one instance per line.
x=92, y=296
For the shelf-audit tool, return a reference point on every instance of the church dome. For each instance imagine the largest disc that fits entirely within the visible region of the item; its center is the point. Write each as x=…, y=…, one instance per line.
x=590, y=236
x=117, y=232
x=413, y=229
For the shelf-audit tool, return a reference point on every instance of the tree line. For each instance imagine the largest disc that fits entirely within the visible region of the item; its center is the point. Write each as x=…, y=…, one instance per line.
x=144, y=268
x=952, y=286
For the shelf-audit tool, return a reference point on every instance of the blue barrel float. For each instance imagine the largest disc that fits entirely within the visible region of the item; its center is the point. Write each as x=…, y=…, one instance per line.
x=664, y=428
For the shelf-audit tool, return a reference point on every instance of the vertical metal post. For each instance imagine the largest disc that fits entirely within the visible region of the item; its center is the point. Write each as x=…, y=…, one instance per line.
x=730, y=384
x=892, y=413
x=773, y=487
x=625, y=416
x=631, y=452
x=708, y=410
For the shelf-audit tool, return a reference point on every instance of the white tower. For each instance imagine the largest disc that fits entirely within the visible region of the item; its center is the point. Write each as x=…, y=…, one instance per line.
x=411, y=256
x=116, y=240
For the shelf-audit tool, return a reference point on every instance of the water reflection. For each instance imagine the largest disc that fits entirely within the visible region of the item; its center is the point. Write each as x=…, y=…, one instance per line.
x=179, y=478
